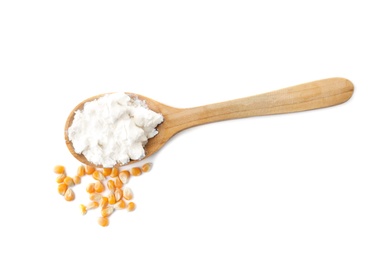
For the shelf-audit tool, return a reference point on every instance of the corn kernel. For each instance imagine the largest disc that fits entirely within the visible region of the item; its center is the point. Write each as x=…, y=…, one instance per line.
x=97, y=175
x=106, y=212
x=111, y=185
x=81, y=171
x=60, y=178
x=114, y=172
x=118, y=183
x=69, y=195
x=90, y=187
x=146, y=167
x=62, y=187
x=118, y=194
x=127, y=193
x=107, y=171
x=59, y=169
x=111, y=198
x=99, y=187
x=104, y=202
x=92, y=205
x=103, y=221
x=95, y=197
x=136, y=171
x=124, y=176
x=76, y=179
x=131, y=206
x=89, y=169
x=121, y=204
x=83, y=209
x=69, y=181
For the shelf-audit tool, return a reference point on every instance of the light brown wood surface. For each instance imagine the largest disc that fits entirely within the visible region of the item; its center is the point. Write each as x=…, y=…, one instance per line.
x=308, y=96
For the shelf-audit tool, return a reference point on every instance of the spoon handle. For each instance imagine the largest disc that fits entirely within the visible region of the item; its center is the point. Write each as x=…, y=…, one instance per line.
x=308, y=96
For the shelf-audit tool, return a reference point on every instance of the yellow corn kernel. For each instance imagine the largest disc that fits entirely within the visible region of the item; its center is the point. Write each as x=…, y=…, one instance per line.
x=114, y=172
x=127, y=193
x=104, y=202
x=59, y=169
x=103, y=221
x=111, y=198
x=61, y=177
x=121, y=204
x=90, y=187
x=76, y=179
x=99, y=187
x=97, y=175
x=107, y=171
x=118, y=183
x=106, y=212
x=81, y=171
x=62, y=187
x=69, y=195
x=89, y=169
x=69, y=181
x=124, y=176
x=95, y=197
x=111, y=185
x=146, y=167
x=136, y=171
x=92, y=205
x=118, y=194
x=83, y=209
x=131, y=206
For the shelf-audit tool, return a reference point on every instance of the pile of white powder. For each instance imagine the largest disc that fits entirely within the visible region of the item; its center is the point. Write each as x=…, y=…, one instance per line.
x=113, y=129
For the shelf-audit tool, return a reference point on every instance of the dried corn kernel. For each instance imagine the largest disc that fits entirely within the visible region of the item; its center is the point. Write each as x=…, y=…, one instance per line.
x=111, y=185
x=97, y=175
x=95, y=197
x=136, y=171
x=111, y=198
x=62, y=187
x=118, y=183
x=118, y=194
x=107, y=171
x=59, y=169
x=124, y=176
x=121, y=204
x=83, y=209
x=69, y=195
x=103, y=221
x=81, y=171
x=69, y=181
x=92, y=205
x=90, y=187
x=127, y=193
x=89, y=169
x=76, y=179
x=106, y=212
x=131, y=206
x=99, y=187
x=60, y=178
x=114, y=172
x=104, y=202
x=146, y=167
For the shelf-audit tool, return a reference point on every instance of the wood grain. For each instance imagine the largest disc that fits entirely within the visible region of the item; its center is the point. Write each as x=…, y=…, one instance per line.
x=308, y=96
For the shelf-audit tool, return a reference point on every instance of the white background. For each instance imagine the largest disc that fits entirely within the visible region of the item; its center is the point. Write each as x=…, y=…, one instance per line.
x=310, y=185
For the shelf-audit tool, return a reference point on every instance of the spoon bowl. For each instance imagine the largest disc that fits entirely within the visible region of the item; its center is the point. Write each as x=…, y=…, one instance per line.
x=307, y=96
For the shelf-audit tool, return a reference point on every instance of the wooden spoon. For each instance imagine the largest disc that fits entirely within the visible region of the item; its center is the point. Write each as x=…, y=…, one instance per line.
x=308, y=96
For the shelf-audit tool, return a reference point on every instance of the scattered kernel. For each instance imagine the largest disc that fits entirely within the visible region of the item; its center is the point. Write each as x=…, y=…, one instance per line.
x=69, y=195
x=83, y=209
x=61, y=177
x=89, y=169
x=104, y=202
x=80, y=171
x=103, y=221
x=95, y=197
x=69, y=181
x=59, y=169
x=62, y=187
x=118, y=183
x=99, y=187
x=121, y=204
x=92, y=205
x=114, y=172
x=127, y=193
x=146, y=167
x=124, y=176
x=131, y=206
x=90, y=187
x=107, y=171
x=136, y=171
x=118, y=194
x=111, y=198
x=97, y=175
x=111, y=185
x=76, y=179
x=106, y=212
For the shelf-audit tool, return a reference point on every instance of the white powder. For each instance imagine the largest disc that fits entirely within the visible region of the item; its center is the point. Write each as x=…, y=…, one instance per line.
x=113, y=129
